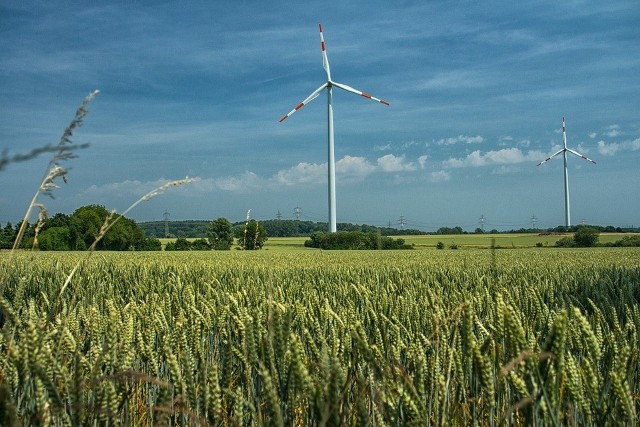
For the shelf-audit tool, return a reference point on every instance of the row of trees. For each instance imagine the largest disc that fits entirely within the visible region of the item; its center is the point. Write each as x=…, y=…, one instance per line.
x=221, y=235
x=350, y=240
x=249, y=236
x=588, y=236
x=78, y=231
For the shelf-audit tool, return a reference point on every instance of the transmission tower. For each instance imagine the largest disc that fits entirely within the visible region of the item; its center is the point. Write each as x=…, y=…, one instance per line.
x=402, y=221
x=278, y=216
x=165, y=217
x=297, y=211
x=482, y=221
x=534, y=222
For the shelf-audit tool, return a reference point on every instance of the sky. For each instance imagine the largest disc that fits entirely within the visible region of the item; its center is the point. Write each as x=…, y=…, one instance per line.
x=477, y=92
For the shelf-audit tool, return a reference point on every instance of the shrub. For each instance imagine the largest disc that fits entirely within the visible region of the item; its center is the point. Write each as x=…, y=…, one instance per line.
x=586, y=237
x=354, y=240
x=565, y=242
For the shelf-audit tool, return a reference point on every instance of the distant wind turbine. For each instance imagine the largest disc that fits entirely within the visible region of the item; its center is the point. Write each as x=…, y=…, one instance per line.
x=564, y=150
x=329, y=86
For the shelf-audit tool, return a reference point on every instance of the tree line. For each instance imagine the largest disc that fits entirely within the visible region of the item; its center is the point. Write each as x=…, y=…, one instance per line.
x=78, y=231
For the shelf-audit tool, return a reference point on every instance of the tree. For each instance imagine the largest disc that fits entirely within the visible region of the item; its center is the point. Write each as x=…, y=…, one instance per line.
x=565, y=242
x=220, y=234
x=199, y=245
x=7, y=235
x=181, y=244
x=253, y=236
x=54, y=239
x=586, y=237
x=151, y=244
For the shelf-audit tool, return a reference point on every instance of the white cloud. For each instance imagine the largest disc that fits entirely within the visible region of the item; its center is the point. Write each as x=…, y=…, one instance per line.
x=612, y=148
x=302, y=173
x=613, y=130
x=422, y=161
x=242, y=183
x=592, y=135
x=354, y=166
x=348, y=167
x=460, y=139
x=386, y=147
x=440, y=176
x=504, y=156
x=391, y=163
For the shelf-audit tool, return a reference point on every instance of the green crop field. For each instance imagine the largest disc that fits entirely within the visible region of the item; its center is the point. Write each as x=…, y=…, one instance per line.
x=290, y=336
x=524, y=240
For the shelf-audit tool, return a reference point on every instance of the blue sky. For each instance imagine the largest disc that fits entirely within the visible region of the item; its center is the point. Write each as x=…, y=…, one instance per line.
x=477, y=93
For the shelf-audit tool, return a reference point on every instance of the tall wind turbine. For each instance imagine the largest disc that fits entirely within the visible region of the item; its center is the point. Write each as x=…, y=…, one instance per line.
x=564, y=150
x=331, y=161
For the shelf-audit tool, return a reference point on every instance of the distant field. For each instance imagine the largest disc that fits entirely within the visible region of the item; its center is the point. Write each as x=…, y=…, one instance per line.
x=461, y=240
x=501, y=240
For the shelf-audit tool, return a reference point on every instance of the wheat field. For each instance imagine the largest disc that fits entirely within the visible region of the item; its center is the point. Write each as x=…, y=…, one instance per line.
x=473, y=337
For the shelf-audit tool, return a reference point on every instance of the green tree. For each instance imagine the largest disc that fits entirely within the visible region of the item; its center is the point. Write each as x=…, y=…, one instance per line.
x=7, y=235
x=565, y=242
x=586, y=237
x=253, y=236
x=151, y=244
x=87, y=221
x=200, y=245
x=220, y=234
x=54, y=239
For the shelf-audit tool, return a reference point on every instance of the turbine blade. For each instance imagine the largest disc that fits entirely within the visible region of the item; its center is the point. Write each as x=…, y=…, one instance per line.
x=325, y=59
x=580, y=155
x=310, y=98
x=551, y=156
x=357, y=92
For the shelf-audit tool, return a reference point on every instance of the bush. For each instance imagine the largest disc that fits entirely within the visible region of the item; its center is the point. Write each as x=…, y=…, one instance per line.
x=200, y=245
x=628, y=241
x=586, y=237
x=440, y=245
x=151, y=244
x=354, y=240
x=565, y=242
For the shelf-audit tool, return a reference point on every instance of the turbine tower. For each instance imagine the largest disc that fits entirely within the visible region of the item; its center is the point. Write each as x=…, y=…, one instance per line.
x=564, y=150
x=331, y=157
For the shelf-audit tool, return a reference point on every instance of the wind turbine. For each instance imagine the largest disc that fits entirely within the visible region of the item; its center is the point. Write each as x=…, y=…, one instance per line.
x=331, y=161
x=564, y=150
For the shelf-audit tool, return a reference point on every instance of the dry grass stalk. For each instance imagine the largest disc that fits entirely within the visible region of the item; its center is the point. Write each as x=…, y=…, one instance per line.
x=54, y=170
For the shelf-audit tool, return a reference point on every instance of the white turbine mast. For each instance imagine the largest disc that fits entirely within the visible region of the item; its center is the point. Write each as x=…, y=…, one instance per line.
x=564, y=150
x=331, y=157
